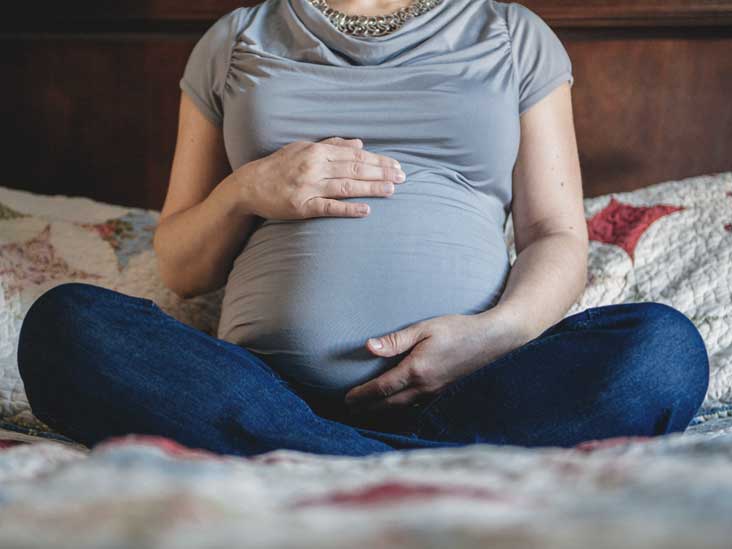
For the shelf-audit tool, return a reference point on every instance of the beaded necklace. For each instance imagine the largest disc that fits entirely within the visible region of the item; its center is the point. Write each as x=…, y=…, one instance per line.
x=373, y=25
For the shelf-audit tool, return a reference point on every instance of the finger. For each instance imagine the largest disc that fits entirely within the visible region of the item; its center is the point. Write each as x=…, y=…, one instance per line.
x=397, y=342
x=328, y=207
x=340, y=188
x=354, y=169
x=387, y=384
x=335, y=153
x=403, y=398
x=341, y=142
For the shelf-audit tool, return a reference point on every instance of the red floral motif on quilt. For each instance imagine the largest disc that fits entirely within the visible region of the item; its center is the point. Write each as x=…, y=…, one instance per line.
x=623, y=224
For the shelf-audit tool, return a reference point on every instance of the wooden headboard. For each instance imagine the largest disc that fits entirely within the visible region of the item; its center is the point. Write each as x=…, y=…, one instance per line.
x=90, y=100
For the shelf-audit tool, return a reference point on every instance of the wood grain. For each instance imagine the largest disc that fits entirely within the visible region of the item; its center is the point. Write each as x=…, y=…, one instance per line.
x=95, y=117
x=91, y=110
x=611, y=13
x=650, y=109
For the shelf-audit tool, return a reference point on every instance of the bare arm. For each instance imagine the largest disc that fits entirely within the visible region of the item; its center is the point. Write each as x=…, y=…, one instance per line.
x=550, y=270
x=203, y=224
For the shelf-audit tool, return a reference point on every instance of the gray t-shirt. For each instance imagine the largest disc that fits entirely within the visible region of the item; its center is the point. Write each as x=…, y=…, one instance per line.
x=442, y=95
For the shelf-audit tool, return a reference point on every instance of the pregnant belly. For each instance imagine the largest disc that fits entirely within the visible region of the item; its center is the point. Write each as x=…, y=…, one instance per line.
x=305, y=295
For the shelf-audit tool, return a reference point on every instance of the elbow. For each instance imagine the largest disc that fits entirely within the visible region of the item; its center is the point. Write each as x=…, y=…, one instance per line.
x=583, y=266
x=581, y=245
x=181, y=276
x=182, y=293
x=578, y=246
x=173, y=282
x=170, y=278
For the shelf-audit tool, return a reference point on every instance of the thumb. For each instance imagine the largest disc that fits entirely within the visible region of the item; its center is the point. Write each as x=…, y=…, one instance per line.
x=396, y=342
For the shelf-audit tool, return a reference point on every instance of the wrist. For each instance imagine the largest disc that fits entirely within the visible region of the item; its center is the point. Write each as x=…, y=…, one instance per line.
x=240, y=188
x=516, y=326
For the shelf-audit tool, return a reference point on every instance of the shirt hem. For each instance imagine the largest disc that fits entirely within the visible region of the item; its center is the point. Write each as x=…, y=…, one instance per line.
x=201, y=104
x=544, y=90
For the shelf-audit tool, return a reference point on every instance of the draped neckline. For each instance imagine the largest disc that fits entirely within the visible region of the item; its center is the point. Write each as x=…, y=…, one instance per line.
x=373, y=50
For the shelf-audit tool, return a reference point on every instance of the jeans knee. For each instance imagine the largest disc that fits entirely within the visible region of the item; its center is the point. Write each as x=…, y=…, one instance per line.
x=59, y=298
x=40, y=318
x=45, y=327
x=55, y=306
x=679, y=360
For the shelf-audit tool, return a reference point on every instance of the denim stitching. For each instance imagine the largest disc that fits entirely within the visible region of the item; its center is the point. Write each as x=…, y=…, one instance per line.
x=119, y=297
x=222, y=344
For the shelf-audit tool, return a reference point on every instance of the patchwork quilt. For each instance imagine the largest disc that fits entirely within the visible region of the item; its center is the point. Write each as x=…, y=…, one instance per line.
x=670, y=242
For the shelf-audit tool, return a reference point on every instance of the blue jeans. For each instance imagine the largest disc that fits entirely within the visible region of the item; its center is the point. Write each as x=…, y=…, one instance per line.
x=98, y=363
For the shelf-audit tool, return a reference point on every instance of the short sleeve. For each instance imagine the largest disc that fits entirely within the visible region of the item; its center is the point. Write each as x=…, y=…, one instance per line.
x=540, y=59
x=205, y=72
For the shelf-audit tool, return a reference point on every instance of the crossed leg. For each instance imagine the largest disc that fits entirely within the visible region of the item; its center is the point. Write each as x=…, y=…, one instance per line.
x=631, y=369
x=99, y=363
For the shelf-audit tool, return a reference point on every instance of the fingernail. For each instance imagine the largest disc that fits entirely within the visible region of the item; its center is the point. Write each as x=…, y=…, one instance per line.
x=375, y=343
x=388, y=187
x=400, y=176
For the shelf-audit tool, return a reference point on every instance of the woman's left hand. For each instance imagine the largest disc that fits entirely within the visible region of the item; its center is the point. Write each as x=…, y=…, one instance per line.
x=443, y=349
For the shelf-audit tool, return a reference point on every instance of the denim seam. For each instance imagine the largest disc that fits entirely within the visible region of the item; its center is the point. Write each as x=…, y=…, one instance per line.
x=121, y=297
x=165, y=317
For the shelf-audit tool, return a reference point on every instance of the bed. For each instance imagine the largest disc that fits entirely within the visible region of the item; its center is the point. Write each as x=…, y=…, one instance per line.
x=654, y=125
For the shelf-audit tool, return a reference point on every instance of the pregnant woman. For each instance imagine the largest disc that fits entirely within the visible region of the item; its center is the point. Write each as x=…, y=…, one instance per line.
x=345, y=171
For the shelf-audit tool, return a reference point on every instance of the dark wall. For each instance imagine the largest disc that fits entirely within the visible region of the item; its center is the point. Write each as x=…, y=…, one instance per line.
x=90, y=96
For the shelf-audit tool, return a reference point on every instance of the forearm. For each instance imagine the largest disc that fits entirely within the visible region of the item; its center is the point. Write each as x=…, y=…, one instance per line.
x=546, y=279
x=195, y=248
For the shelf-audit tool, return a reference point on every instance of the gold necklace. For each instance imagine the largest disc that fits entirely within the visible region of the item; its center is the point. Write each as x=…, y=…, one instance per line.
x=373, y=25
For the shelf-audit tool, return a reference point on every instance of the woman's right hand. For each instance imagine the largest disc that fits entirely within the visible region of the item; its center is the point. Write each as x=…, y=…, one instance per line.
x=304, y=179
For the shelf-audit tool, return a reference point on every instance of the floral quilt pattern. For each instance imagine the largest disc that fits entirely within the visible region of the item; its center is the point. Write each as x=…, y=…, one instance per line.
x=669, y=242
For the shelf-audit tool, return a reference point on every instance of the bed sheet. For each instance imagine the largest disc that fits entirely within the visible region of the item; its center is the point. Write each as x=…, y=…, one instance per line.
x=671, y=491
